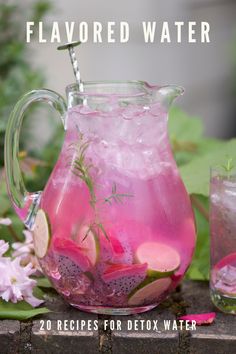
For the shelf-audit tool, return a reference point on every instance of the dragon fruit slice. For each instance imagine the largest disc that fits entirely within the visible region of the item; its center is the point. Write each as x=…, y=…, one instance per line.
x=121, y=252
x=71, y=264
x=68, y=248
x=73, y=282
x=123, y=278
x=111, y=247
x=124, y=238
x=116, y=246
x=66, y=267
x=162, y=259
x=201, y=319
x=113, y=250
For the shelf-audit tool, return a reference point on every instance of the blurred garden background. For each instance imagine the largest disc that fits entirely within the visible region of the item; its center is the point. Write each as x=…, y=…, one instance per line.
x=206, y=113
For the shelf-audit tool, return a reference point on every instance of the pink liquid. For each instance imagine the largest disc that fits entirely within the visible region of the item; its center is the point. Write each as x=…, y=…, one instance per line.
x=137, y=196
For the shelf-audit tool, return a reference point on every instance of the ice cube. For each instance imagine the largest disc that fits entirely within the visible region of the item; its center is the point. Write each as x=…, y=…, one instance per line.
x=227, y=275
x=132, y=112
x=157, y=110
x=215, y=198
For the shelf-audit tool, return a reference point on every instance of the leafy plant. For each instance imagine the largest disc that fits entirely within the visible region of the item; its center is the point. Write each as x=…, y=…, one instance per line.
x=194, y=165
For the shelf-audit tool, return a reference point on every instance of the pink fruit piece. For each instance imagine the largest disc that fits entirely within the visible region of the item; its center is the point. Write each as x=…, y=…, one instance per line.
x=201, y=319
x=113, y=250
x=116, y=246
x=123, y=278
x=121, y=252
x=176, y=278
x=68, y=248
x=230, y=259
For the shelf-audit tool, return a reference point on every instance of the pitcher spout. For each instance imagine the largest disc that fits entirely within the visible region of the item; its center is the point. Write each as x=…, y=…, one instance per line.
x=167, y=94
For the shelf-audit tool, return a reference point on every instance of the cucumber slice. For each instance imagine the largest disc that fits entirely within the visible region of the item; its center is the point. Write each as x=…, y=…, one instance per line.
x=41, y=233
x=150, y=293
x=162, y=259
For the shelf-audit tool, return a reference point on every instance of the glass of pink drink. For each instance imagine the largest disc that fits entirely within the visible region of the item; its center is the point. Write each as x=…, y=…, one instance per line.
x=223, y=239
x=113, y=229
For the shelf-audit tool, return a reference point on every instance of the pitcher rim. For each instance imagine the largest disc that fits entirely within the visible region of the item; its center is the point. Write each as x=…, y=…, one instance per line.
x=147, y=89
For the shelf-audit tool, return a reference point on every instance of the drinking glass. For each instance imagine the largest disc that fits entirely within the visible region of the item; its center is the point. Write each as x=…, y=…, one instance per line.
x=223, y=238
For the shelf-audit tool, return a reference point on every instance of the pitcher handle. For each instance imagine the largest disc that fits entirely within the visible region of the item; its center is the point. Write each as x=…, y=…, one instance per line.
x=24, y=202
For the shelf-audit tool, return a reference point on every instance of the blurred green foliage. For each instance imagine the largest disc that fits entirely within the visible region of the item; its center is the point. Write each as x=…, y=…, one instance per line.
x=19, y=311
x=17, y=76
x=195, y=154
x=16, y=73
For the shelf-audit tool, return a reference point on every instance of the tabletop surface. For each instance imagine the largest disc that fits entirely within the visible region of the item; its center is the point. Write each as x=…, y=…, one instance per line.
x=61, y=330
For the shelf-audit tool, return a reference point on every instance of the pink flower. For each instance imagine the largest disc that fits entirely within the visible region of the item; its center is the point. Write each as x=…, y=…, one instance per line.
x=15, y=282
x=5, y=221
x=3, y=247
x=23, y=248
x=25, y=251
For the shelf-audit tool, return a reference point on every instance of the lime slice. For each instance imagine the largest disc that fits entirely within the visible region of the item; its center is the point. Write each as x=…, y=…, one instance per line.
x=162, y=259
x=149, y=293
x=41, y=233
x=89, y=242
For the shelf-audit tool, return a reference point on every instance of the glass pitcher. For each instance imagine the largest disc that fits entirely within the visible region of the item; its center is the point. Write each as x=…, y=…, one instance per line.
x=113, y=229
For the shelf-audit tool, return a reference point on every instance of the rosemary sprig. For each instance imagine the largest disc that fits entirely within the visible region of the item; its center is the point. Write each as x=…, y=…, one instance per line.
x=229, y=165
x=117, y=197
x=81, y=169
x=94, y=228
x=101, y=227
x=90, y=229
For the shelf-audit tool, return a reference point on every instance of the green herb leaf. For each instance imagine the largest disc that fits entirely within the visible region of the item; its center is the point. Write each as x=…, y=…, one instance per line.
x=117, y=197
x=196, y=173
x=43, y=283
x=19, y=311
x=199, y=268
x=229, y=165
